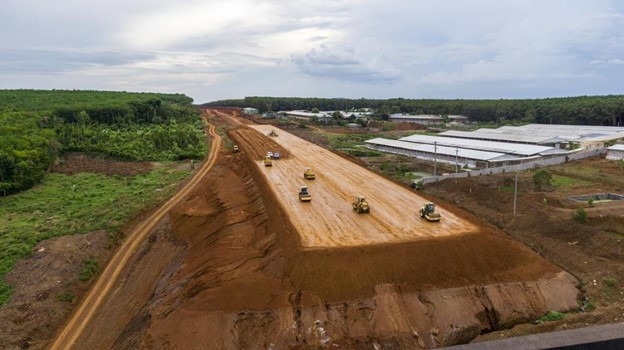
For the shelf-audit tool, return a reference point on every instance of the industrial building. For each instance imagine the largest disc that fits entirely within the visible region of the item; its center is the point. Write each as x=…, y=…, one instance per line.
x=509, y=145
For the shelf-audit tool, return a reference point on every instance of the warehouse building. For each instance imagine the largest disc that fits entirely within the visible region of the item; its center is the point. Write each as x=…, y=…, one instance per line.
x=509, y=145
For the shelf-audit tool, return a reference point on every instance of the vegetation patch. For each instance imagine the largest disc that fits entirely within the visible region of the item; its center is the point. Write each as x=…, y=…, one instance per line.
x=38, y=126
x=566, y=181
x=69, y=205
x=66, y=297
x=551, y=316
x=90, y=269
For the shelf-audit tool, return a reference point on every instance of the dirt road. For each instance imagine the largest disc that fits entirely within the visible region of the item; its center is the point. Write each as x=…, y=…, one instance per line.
x=89, y=306
x=329, y=220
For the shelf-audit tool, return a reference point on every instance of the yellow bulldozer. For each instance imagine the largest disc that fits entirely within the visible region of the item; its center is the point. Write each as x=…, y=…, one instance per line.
x=268, y=161
x=308, y=174
x=428, y=212
x=360, y=205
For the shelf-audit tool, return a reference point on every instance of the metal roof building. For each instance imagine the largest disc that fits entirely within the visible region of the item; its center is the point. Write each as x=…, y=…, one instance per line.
x=507, y=145
x=565, y=132
x=487, y=135
x=464, y=157
x=516, y=149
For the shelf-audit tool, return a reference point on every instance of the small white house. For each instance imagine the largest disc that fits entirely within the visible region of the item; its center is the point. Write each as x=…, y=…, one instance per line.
x=249, y=110
x=615, y=152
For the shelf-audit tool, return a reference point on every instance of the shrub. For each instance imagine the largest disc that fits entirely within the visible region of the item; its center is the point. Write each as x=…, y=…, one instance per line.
x=551, y=316
x=541, y=178
x=91, y=267
x=580, y=216
x=67, y=297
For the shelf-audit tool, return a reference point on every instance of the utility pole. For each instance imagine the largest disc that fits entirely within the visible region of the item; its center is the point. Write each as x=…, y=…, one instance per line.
x=515, y=193
x=456, y=162
x=435, y=158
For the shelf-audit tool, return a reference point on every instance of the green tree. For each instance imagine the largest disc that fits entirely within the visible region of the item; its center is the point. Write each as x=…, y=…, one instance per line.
x=541, y=178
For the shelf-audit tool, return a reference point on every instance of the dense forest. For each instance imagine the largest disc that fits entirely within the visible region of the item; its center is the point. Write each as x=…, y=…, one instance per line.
x=582, y=110
x=36, y=126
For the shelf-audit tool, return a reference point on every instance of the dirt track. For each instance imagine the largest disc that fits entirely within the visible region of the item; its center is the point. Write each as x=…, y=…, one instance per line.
x=232, y=266
x=107, y=280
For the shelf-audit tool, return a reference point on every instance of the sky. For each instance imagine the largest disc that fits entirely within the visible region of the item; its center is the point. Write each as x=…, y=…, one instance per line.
x=213, y=50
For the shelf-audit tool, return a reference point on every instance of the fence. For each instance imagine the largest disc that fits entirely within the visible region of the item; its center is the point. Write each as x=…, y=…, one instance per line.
x=518, y=167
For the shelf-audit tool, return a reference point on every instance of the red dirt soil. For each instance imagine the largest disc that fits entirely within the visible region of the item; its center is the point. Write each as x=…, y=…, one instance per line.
x=226, y=269
x=233, y=274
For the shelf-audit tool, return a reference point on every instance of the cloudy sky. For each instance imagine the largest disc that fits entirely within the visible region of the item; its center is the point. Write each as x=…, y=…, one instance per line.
x=212, y=50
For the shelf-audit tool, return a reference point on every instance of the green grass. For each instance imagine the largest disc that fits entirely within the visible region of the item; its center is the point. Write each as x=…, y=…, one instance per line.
x=565, y=181
x=90, y=269
x=66, y=297
x=551, y=316
x=70, y=205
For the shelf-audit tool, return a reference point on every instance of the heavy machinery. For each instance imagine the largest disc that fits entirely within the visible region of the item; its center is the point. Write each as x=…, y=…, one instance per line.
x=360, y=205
x=308, y=174
x=428, y=212
x=268, y=161
x=276, y=155
x=273, y=133
x=235, y=149
x=304, y=194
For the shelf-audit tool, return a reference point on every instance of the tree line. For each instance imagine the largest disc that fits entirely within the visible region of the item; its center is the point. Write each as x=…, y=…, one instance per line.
x=37, y=126
x=580, y=110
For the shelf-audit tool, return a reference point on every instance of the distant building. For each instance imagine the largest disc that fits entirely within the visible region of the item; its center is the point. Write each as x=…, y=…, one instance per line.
x=427, y=119
x=307, y=115
x=249, y=110
x=615, y=152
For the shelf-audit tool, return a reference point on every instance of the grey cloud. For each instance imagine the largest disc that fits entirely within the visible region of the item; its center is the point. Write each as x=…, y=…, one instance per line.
x=345, y=65
x=54, y=60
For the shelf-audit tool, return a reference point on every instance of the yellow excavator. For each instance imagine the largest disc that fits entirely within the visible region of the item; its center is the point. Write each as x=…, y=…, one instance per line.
x=428, y=212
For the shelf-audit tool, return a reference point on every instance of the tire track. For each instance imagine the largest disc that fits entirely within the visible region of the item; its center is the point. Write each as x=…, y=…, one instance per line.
x=74, y=327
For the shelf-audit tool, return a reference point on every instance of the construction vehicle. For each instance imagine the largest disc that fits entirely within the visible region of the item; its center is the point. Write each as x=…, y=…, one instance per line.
x=273, y=133
x=308, y=174
x=235, y=149
x=304, y=194
x=276, y=155
x=270, y=155
x=428, y=212
x=268, y=161
x=360, y=205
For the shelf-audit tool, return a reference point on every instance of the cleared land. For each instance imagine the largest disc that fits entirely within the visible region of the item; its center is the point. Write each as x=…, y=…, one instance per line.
x=329, y=220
